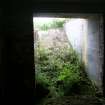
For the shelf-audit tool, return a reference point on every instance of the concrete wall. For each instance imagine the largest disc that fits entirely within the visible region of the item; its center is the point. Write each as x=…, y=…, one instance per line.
x=86, y=37
x=19, y=58
x=2, y=67
x=74, y=29
x=95, y=50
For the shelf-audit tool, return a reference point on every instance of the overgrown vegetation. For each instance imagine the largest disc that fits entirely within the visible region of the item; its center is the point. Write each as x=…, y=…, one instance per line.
x=62, y=73
x=56, y=23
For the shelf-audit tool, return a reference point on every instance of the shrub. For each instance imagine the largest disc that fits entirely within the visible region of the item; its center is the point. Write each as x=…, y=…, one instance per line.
x=56, y=23
x=62, y=72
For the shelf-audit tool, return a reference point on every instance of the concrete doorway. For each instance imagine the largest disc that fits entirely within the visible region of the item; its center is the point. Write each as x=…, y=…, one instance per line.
x=85, y=34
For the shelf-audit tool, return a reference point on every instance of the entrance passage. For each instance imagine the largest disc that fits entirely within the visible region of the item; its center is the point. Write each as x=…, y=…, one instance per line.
x=68, y=65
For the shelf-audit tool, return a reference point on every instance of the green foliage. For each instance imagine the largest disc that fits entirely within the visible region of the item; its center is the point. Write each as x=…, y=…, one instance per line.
x=56, y=23
x=61, y=71
x=41, y=78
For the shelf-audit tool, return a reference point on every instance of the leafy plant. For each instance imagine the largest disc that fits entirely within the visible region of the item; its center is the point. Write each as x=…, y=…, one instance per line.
x=62, y=72
x=56, y=23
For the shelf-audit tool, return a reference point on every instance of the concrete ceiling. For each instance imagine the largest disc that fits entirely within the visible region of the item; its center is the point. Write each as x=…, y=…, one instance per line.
x=72, y=0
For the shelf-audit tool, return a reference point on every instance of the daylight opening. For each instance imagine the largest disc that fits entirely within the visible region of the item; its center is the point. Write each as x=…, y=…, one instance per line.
x=67, y=61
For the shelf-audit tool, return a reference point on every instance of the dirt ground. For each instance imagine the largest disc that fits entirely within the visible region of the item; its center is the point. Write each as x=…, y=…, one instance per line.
x=76, y=100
